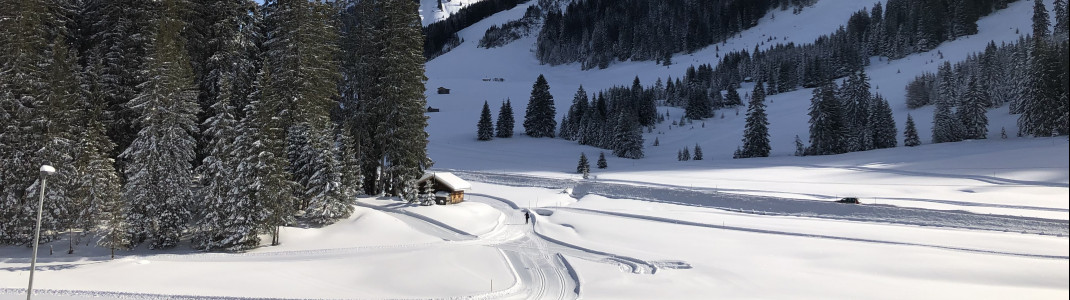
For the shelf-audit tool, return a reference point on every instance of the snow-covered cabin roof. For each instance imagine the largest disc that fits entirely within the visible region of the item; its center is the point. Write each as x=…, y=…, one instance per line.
x=452, y=181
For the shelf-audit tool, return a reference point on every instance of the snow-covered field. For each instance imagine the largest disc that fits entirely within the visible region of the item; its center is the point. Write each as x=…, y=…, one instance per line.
x=977, y=219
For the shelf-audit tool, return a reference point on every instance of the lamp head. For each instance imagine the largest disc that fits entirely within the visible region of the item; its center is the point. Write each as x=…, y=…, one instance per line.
x=47, y=170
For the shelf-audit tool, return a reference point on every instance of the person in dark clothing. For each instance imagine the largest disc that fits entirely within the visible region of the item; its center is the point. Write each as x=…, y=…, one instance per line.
x=526, y=217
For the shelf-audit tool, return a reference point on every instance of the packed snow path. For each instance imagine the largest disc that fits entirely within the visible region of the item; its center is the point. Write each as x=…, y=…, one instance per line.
x=765, y=205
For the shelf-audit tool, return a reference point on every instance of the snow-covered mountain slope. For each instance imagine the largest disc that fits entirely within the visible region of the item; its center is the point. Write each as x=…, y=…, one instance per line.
x=936, y=176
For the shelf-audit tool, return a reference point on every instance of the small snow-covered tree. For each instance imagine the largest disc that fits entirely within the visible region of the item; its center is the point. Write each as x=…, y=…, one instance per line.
x=505, y=121
x=584, y=165
x=972, y=112
x=910, y=134
x=602, y=160
x=539, y=118
x=698, y=153
x=756, y=133
x=485, y=128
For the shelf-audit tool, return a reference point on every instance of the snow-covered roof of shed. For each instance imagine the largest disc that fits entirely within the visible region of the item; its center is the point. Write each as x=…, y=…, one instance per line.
x=450, y=180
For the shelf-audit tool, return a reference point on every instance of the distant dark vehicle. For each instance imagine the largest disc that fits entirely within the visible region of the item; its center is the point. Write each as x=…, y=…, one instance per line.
x=432, y=109
x=851, y=200
x=443, y=91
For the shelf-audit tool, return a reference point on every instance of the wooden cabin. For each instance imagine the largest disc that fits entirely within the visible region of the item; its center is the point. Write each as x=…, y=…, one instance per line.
x=448, y=188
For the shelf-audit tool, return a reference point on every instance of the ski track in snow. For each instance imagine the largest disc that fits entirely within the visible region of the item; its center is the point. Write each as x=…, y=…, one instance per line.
x=765, y=205
x=788, y=233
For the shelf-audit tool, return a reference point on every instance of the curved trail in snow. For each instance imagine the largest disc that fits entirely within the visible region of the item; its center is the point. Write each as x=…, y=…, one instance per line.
x=766, y=205
x=799, y=234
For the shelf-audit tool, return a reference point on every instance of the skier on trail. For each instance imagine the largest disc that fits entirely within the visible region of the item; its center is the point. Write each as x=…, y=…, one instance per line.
x=526, y=217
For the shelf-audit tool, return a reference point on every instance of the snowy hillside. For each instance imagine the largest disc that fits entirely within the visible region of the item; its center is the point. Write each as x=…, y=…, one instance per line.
x=453, y=144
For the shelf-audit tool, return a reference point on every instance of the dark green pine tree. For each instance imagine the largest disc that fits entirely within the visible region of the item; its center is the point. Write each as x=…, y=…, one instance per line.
x=539, y=117
x=602, y=164
x=910, y=134
x=1041, y=104
x=945, y=125
x=827, y=129
x=228, y=221
x=685, y=154
x=756, y=132
x=972, y=112
x=732, y=98
x=485, y=128
x=857, y=106
x=1062, y=20
x=262, y=176
x=1041, y=23
x=23, y=46
x=883, y=124
x=220, y=40
x=402, y=64
x=504, y=127
x=124, y=34
x=159, y=172
x=56, y=114
x=628, y=136
x=698, y=105
x=571, y=122
x=698, y=153
x=584, y=166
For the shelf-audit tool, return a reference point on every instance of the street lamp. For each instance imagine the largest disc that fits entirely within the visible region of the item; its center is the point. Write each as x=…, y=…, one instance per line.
x=46, y=171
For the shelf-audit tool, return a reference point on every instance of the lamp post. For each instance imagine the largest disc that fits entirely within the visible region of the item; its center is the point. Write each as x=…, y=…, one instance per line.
x=46, y=171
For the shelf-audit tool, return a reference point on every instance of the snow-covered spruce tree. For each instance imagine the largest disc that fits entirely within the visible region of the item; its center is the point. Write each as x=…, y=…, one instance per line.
x=327, y=199
x=1062, y=20
x=504, y=126
x=224, y=222
x=629, y=137
x=485, y=127
x=159, y=173
x=1041, y=103
x=910, y=134
x=945, y=125
x=23, y=45
x=972, y=112
x=732, y=98
x=602, y=164
x=56, y=113
x=571, y=122
x=685, y=154
x=221, y=36
x=698, y=153
x=857, y=100
x=539, y=116
x=98, y=184
x=349, y=154
x=584, y=165
x=756, y=132
x=883, y=124
x=402, y=64
x=1041, y=23
x=263, y=180
x=827, y=130
x=698, y=105
x=656, y=142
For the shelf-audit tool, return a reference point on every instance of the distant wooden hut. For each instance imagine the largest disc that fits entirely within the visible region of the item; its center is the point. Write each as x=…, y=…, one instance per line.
x=443, y=91
x=448, y=188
